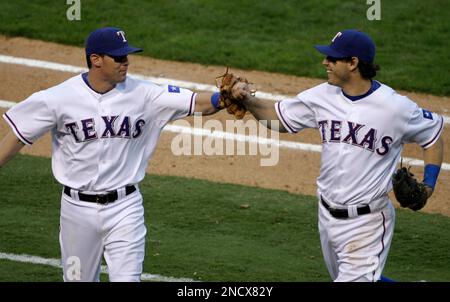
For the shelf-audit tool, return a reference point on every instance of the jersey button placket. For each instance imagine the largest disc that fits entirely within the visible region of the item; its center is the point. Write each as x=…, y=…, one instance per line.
x=105, y=142
x=344, y=148
x=103, y=111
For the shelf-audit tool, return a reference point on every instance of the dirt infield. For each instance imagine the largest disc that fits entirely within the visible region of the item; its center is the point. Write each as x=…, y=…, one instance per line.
x=296, y=171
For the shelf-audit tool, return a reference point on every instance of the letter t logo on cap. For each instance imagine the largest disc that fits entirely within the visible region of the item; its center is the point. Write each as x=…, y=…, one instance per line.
x=336, y=36
x=122, y=34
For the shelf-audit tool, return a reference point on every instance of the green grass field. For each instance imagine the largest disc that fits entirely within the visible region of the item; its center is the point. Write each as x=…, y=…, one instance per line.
x=412, y=36
x=198, y=230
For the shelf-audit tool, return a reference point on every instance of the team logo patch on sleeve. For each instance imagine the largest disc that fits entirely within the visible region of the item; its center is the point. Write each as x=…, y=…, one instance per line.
x=427, y=114
x=174, y=89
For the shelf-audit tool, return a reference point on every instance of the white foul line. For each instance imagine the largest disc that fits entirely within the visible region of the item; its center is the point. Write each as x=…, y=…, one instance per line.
x=157, y=80
x=252, y=139
x=57, y=263
x=6, y=104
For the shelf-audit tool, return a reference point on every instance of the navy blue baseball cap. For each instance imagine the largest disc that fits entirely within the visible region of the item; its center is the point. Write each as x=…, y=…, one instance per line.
x=110, y=41
x=350, y=43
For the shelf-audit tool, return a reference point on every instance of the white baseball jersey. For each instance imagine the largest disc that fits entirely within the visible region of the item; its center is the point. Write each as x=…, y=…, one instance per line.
x=100, y=142
x=361, y=140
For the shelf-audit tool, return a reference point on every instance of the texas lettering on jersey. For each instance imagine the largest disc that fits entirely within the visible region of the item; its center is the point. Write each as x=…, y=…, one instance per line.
x=367, y=138
x=85, y=129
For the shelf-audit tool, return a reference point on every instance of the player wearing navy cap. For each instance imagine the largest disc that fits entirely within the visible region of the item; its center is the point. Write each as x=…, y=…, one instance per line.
x=105, y=127
x=363, y=125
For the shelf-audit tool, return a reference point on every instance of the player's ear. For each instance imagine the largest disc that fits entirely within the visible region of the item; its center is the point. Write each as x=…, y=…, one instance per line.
x=353, y=63
x=96, y=60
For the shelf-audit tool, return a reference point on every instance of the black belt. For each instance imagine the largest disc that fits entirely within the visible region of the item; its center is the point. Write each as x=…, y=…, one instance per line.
x=100, y=198
x=343, y=213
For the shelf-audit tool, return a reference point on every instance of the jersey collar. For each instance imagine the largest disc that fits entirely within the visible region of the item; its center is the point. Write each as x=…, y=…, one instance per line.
x=375, y=85
x=99, y=95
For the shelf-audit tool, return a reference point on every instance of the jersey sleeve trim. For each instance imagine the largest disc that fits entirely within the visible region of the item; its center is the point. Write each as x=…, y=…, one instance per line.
x=16, y=131
x=192, y=104
x=431, y=142
x=282, y=119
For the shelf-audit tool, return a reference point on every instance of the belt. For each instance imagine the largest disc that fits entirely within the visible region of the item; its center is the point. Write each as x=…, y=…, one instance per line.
x=100, y=198
x=343, y=213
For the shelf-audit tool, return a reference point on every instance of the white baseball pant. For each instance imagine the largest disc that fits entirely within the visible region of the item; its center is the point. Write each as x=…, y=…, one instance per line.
x=356, y=248
x=115, y=230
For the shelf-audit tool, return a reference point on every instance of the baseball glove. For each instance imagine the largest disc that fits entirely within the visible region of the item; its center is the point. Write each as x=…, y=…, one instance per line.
x=408, y=192
x=230, y=96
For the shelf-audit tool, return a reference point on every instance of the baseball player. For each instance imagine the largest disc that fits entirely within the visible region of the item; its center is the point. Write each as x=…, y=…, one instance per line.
x=363, y=124
x=104, y=127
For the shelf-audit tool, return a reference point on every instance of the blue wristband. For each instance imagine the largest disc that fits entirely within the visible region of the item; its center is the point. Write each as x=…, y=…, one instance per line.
x=430, y=175
x=215, y=99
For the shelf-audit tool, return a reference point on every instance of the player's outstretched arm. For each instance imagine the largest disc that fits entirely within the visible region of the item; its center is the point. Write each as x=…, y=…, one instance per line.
x=9, y=147
x=204, y=105
x=433, y=157
x=264, y=111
